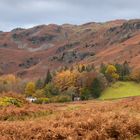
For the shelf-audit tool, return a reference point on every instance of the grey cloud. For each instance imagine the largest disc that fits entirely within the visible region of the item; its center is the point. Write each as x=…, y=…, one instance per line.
x=26, y=13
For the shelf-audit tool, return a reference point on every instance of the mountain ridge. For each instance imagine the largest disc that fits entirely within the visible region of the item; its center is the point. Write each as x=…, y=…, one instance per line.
x=28, y=53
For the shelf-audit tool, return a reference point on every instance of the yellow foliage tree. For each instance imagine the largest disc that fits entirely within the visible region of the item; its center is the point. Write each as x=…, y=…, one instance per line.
x=111, y=69
x=66, y=79
x=30, y=89
x=9, y=83
x=115, y=76
x=112, y=72
x=10, y=78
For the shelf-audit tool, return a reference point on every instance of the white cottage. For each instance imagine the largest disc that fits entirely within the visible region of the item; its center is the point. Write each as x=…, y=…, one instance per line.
x=31, y=99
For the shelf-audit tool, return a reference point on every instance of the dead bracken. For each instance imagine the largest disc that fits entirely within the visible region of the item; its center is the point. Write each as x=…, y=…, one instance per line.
x=90, y=120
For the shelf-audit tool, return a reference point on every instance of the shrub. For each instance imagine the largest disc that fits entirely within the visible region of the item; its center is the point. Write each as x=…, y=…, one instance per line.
x=39, y=93
x=42, y=101
x=7, y=101
x=60, y=99
x=14, y=95
x=50, y=90
x=85, y=94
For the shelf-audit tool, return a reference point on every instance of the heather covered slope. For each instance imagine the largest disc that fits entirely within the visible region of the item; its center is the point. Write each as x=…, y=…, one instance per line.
x=28, y=52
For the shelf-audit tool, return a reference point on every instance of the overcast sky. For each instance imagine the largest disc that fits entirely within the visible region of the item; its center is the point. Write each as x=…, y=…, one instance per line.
x=28, y=13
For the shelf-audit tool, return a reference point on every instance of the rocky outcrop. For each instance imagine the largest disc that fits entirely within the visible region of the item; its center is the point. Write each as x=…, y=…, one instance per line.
x=71, y=56
x=41, y=39
x=121, y=33
x=67, y=46
x=17, y=36
x=17, y=30
x=131, y=26
x=29, y=63
x=93, y=45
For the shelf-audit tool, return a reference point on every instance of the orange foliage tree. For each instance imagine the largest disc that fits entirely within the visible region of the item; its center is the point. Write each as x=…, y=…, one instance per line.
x=66, y=79
x=135, y=75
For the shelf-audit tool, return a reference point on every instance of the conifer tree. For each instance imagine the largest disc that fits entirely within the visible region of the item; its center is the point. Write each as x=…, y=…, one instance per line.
x=96, y=88
x=48, y=78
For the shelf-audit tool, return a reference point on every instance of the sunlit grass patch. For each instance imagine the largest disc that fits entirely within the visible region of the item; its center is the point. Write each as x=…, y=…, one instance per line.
x=121, y=90
x=70, y=108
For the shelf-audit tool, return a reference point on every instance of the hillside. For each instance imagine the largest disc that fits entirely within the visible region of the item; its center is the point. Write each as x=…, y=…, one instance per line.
x=28, y=53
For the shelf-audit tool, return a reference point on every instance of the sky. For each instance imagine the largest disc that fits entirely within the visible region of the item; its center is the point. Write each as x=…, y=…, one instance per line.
x=29, y=13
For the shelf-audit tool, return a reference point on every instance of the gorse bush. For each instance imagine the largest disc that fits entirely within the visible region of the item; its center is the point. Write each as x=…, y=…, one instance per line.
x=7, y=101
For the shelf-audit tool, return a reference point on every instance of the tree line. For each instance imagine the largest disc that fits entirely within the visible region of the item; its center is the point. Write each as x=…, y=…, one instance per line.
x=82, y=81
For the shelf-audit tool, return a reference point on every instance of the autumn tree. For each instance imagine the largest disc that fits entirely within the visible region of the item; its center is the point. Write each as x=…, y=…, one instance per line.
x=39, y=84
x=135, y=75
x=30, y=89
x=65, y=79
x=103, y=68
x=126, y=70
x=50, y=90
x=85, y=79
x=9, y=83
x=123, y=70
x=103, y=81
x=119, y=69
x=111, y=73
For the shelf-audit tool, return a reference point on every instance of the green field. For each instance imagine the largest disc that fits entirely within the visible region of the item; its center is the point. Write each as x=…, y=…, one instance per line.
x=121, y=90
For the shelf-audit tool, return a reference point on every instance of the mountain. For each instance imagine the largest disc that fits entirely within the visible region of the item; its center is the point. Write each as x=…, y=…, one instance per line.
x=28, y=53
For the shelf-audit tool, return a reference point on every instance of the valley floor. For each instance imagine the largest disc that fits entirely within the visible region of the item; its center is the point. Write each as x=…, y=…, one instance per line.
x=89, y=120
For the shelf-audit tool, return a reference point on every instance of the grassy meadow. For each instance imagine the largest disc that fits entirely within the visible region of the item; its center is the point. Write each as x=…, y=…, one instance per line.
x=121, y=90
